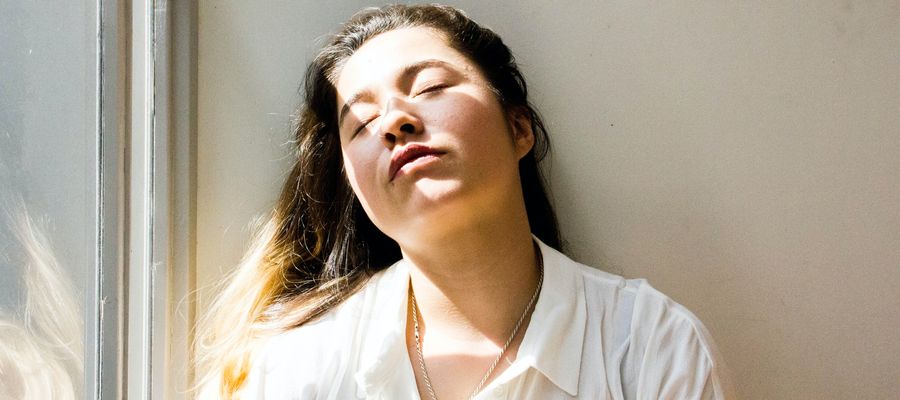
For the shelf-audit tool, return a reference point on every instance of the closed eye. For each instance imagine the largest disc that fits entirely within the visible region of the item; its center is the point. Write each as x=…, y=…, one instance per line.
x=363, y=126
x=433, y=88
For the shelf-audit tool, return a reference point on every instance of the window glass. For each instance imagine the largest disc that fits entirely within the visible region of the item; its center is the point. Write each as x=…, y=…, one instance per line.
x=48, y=192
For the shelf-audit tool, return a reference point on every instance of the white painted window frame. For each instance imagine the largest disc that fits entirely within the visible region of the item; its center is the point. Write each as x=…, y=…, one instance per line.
x=145, y=280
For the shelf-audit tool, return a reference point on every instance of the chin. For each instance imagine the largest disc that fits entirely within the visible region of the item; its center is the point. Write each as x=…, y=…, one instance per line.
x=442, y=205
x=436, y=190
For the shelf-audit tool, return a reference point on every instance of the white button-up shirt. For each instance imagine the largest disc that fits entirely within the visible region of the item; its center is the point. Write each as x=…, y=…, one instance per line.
x=592, y=335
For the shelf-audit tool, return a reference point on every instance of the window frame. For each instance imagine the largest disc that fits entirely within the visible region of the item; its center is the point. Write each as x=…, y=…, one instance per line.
x=143, y=291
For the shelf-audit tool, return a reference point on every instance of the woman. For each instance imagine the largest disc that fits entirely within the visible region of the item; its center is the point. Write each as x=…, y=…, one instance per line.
x=412, y=251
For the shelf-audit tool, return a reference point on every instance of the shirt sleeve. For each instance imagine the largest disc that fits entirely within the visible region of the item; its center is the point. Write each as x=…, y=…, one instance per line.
x=672, y=355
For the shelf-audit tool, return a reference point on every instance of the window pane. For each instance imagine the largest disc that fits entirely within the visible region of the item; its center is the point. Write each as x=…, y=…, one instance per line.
x=48, y=192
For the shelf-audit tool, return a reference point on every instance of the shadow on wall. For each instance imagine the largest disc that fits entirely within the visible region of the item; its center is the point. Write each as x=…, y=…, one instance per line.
x=41, y=345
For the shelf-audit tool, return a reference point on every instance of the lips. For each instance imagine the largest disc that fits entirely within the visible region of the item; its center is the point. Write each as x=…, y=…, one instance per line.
x=407, y=155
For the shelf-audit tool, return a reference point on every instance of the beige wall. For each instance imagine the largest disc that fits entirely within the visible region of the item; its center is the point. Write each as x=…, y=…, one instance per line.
x=742, y=156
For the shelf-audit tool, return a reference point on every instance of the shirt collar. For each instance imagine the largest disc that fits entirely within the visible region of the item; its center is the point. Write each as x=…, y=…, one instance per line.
x=552, y=344
x=554, y=339
x=383, y=344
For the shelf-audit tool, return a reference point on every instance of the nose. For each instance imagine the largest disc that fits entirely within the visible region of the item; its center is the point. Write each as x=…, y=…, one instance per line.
x=398, y=123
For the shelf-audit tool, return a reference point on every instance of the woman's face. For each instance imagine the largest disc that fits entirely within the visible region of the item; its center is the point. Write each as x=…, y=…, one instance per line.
x=425, y=142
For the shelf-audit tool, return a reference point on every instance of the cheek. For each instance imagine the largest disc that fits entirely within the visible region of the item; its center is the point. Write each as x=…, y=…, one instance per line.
x=469, y=113
x=485, y=125
x=361, y=166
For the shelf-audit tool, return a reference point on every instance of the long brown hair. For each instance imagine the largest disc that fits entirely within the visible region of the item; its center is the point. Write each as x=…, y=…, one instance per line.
x=318, y=246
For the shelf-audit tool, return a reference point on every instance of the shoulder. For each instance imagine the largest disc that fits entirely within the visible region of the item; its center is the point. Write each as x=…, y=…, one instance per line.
x=295, y=362
x=315, y=356
x=663, y=349
x=672, y=353
x=643, y=309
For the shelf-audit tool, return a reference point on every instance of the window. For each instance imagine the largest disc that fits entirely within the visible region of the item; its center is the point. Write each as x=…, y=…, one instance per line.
x=95, y=199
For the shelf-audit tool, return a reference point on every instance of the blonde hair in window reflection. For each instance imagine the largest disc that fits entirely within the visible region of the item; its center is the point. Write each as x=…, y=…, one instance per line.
x=318, y=246
x=41, y=352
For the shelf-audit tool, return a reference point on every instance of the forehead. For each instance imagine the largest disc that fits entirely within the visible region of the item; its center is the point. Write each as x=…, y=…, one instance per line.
x=383, y=56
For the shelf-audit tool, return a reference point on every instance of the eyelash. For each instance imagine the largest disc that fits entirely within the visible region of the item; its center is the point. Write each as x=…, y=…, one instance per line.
x=433, y=88
x=363, y=126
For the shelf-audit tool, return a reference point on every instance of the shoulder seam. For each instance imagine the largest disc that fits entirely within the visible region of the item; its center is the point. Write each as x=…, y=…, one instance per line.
x=682, y=312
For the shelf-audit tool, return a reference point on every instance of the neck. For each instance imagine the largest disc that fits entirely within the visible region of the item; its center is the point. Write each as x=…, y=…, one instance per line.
x=473, y=286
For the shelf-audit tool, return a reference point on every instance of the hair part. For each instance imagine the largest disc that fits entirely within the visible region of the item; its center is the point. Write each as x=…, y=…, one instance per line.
x=318, y=246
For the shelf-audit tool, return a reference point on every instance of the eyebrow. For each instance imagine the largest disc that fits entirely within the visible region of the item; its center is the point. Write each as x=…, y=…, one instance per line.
x=405, y=73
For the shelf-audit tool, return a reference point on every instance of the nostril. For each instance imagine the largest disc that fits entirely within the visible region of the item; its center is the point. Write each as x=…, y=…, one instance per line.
x=389, y=138
x=407, y=128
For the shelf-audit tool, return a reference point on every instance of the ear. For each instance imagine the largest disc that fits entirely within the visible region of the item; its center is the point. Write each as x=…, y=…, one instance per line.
x=522, y=134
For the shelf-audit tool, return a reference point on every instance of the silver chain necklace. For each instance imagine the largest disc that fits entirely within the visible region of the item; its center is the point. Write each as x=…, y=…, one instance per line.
x=509, y=341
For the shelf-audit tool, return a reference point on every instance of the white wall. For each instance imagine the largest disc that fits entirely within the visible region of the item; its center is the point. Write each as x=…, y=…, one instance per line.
x=742, y=156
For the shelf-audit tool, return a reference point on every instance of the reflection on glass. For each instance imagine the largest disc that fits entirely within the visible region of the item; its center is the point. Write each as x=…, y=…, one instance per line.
x=48, y=207
x=41, y=348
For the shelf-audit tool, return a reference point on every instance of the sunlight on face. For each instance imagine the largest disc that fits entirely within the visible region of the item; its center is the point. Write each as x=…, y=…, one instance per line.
x=426, y=144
